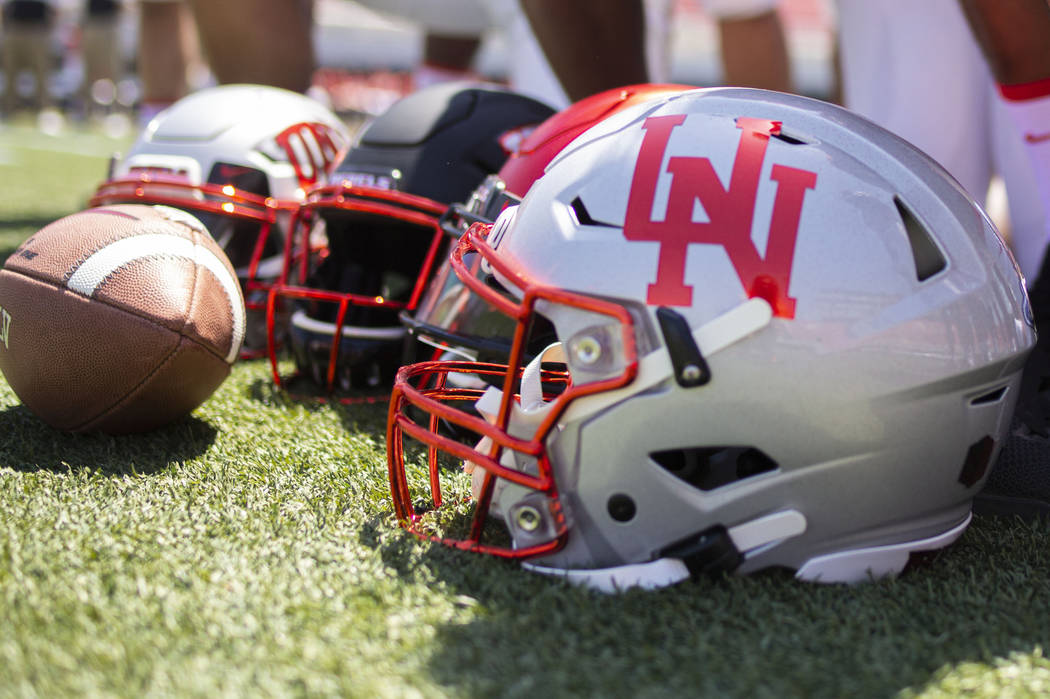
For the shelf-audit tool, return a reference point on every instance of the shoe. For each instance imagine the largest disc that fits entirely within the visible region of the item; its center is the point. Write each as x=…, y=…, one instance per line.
x=1019, y=481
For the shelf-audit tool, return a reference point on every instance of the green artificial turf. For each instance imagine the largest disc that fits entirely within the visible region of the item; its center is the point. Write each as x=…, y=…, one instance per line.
x=250, y=550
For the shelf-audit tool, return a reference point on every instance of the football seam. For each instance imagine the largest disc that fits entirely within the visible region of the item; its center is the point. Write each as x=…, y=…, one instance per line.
x=195, y=297
x=191, y=306
x=63, y=288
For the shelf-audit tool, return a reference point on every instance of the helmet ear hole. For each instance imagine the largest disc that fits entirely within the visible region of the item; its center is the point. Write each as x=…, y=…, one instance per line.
x=621, y=507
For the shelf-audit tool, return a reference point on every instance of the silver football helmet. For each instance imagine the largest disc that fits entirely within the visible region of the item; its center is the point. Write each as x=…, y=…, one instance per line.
x=784, y=337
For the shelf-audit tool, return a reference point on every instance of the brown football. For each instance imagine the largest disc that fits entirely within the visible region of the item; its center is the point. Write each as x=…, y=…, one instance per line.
x=118, y=319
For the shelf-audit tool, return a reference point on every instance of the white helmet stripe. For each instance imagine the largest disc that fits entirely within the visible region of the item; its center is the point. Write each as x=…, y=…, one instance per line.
x=313, y=147
x=301, y=155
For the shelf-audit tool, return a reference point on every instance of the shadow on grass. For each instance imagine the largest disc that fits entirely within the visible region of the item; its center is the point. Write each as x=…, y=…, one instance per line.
x=34, y=222
x=28, y=444
x=981, y=601
x=364, y=413
x=14, y=231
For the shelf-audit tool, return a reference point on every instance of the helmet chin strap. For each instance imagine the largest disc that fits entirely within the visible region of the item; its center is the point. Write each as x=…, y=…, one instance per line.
x=530, y=410
x=524, y=416
x=734, y=543
x=718, y=550
x=531, y=386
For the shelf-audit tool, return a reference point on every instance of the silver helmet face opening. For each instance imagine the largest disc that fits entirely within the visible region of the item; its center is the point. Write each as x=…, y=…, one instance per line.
x=450, y=319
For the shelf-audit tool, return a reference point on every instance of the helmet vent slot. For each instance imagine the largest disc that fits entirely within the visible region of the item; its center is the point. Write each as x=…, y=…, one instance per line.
x=583, y=217
x=789, y=139
x=708, y=468
x=990, y=397
x=929, y=260
x=978, y=458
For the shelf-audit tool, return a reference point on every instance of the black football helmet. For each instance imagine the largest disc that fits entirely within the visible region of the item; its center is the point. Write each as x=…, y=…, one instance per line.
x=380, y=214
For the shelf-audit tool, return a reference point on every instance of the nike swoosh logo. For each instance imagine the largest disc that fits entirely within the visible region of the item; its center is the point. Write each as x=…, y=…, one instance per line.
x=1037, y=137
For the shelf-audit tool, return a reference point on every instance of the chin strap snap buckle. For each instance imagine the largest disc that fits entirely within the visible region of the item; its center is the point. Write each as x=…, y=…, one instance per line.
x=711, y=552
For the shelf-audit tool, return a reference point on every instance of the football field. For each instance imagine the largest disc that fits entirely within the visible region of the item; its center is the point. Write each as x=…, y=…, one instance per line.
x=251, y=550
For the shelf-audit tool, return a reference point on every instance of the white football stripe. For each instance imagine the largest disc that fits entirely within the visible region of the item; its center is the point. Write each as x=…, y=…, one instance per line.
x=95, y=269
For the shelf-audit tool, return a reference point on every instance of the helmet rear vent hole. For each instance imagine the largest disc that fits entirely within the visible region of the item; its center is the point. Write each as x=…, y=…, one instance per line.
x=621, y=507
x=990, y=397
x=708, y=468
x=978, y=458
x=929, y=260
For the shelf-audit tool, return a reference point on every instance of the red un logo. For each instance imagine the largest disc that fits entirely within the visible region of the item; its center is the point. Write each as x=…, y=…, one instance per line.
x=730, y=213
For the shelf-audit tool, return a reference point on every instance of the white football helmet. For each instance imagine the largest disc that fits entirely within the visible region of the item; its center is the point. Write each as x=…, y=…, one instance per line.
x=784, y=337
x=238, y=157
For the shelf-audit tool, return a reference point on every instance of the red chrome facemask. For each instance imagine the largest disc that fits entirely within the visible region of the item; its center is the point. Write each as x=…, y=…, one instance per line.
x=433, y=403
x=342, y=338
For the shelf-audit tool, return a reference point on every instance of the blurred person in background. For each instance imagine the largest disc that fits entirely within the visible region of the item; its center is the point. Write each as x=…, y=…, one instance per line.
x=915, y=68
x=753, y=43
x=1014, y=37
x=103, y=62
x=452, y=35
x=531, y=71
x=26, y=39
x=584, y=46
x=266, y=42
x=593, y=46
x=168, y=53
